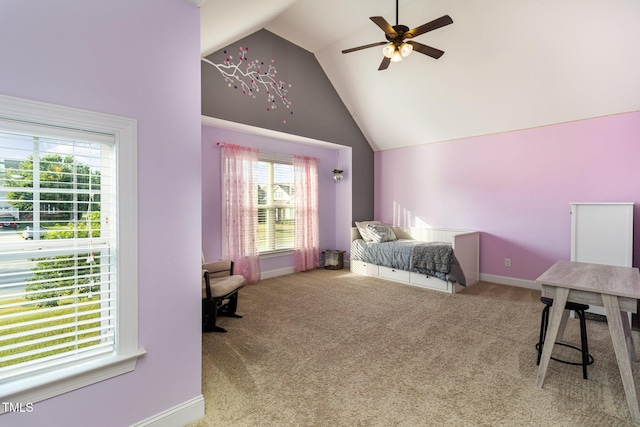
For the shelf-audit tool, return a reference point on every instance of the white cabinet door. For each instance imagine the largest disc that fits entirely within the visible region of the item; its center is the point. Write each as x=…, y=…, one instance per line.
x=602, y=233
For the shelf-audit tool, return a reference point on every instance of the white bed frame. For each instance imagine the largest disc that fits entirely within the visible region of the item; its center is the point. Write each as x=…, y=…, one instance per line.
x=466, y=247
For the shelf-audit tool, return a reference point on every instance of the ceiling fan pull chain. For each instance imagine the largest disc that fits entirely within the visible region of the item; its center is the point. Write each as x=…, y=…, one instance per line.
x=397, y=13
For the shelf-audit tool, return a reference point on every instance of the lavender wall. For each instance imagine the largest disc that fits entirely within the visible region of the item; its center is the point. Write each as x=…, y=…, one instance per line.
x=138, y=59
x=328, y=191
x=514, y=187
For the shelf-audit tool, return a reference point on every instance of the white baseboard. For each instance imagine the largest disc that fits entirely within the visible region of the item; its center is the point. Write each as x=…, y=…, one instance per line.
x=181, y=415
x=511, y=281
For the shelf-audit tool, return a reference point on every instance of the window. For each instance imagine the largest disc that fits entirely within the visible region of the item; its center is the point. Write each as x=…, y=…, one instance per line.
x=276, y=203
x=68, y=282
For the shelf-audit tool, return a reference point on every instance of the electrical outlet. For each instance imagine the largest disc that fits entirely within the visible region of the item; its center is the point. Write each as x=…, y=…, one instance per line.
x=507, y=262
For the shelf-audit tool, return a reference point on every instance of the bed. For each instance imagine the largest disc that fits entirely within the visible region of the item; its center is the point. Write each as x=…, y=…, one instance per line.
x=446, y=260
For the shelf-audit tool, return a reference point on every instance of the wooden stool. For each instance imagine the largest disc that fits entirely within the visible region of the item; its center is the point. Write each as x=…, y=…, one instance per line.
x=579, y=309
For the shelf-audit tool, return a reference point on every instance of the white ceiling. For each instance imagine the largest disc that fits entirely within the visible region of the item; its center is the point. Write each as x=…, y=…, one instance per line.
x=508, y=64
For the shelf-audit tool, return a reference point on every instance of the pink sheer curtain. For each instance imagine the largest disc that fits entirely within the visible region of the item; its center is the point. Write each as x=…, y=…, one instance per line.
x=306, y=255
x=240, y=217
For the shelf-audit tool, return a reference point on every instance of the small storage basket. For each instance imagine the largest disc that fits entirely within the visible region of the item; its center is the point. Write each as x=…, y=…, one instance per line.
x=333, y=260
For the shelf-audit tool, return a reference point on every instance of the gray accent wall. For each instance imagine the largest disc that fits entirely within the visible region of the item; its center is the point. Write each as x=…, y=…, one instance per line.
x=311, y=108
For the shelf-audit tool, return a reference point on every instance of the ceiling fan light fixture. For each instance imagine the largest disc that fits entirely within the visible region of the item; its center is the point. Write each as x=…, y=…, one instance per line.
x=406, y=49
x=395, y=48
x=388, y=50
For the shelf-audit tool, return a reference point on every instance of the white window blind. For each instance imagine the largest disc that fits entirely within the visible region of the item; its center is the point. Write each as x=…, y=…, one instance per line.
x=276, y=203
x=57, y=259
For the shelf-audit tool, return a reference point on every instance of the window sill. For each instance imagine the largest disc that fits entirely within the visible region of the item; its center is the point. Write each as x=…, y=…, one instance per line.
x=44, y=386
x=274, y=254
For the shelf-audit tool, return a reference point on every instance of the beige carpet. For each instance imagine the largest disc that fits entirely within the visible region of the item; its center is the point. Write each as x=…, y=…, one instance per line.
x=331, y=348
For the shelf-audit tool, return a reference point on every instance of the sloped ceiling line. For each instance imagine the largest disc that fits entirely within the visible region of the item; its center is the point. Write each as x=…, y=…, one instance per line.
x=509, y=65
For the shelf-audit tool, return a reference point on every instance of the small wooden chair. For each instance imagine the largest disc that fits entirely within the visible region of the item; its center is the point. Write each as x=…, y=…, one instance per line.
x=219, y=293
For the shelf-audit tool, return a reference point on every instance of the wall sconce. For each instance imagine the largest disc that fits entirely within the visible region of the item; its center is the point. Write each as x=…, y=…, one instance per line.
x=337, y=175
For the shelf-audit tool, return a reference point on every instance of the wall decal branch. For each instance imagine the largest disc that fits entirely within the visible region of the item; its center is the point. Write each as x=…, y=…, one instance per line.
x=250, y=78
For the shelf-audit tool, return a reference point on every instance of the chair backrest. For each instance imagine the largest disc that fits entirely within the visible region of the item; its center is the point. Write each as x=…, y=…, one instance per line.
x=220, y=268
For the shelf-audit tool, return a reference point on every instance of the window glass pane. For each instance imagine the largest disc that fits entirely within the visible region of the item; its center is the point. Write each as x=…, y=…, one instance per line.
x=57, y=281
x=276, y=206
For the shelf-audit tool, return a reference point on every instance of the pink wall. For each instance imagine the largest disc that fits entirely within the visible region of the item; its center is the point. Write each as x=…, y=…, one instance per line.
x=138, y=59
x=211, y=187
x=514, y=187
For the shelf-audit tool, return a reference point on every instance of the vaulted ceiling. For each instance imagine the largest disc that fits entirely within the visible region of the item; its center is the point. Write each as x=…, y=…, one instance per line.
x=508, y=64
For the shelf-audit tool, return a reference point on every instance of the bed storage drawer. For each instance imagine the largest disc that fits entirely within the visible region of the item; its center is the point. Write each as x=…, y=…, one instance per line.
x=393, y=274
x=425, y=281
x=361, y=267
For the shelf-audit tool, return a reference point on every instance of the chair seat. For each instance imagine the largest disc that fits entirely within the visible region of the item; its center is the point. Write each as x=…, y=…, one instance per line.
x=219, y=293
x=222, y=286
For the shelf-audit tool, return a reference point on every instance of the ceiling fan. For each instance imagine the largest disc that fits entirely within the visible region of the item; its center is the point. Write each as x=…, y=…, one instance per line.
x=398, y=44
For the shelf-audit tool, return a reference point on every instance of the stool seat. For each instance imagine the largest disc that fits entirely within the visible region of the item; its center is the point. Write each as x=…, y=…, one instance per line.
x=579, y=309
x=568, y=306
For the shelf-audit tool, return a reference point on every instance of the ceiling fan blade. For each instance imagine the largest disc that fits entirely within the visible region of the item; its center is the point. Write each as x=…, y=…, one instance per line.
x=386, y=27
x=429, y=26
x=384, y=64
x=427, y=50
x=366, y=46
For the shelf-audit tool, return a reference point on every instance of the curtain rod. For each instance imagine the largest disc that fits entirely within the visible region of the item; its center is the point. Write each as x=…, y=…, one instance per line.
x=221, y=144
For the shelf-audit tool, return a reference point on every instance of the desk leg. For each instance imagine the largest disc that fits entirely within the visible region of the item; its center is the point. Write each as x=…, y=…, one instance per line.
x=626, y=325
x=563, y=325
x=616, y=328
x=555, y=318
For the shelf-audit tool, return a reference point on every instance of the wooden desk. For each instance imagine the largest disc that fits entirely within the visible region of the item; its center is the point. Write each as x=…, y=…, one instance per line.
x=618, y=289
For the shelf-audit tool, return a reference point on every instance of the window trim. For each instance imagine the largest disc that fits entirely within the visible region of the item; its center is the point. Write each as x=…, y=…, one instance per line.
x=46, y=385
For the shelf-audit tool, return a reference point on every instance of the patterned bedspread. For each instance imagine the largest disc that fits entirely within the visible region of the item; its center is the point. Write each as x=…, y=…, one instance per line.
x=430, y=258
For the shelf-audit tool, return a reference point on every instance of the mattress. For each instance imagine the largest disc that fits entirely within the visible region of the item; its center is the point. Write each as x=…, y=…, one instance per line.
x=434, y=259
